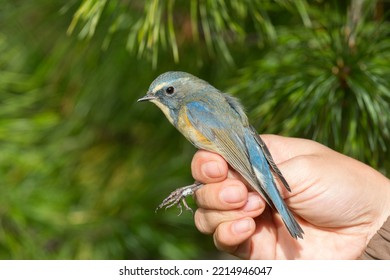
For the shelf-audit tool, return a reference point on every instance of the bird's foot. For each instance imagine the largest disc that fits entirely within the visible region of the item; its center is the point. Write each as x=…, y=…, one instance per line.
x=178, y=197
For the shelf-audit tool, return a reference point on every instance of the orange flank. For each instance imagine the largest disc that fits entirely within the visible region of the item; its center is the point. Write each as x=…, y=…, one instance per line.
x=190, y=132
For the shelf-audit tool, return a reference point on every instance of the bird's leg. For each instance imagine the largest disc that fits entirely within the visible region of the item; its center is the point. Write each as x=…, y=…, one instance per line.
x=178, y=197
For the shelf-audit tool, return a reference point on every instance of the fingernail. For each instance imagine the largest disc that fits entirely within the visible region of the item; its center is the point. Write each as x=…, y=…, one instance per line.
x=231, y=194
x=212, y=169
x=241, y=226
x=253, y=203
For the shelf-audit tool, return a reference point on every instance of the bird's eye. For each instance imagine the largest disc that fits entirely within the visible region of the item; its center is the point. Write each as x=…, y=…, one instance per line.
x=169, y=90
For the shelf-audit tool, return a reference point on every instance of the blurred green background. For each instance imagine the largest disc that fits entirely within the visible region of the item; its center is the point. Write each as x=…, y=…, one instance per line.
x=83, y=166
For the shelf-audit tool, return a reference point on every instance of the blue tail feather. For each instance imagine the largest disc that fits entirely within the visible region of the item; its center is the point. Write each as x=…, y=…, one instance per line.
x=267, y=186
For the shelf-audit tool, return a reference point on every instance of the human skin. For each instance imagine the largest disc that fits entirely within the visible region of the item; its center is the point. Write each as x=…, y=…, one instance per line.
x=339, y=202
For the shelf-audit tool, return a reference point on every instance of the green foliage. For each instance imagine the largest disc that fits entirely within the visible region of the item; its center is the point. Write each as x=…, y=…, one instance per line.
x=78, y=177
x=214, y=24
x=320, y=83
x=83, y=166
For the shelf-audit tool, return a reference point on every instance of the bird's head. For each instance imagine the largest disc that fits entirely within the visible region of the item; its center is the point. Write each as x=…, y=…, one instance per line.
x=171, y=90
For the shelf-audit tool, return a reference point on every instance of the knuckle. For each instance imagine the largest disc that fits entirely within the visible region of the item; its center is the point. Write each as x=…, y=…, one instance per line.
x=222, y=239
x=230, y=194
x=201, y=222
x=196, y=164
x=304, y=162
x=205, y=197
x=208, y=167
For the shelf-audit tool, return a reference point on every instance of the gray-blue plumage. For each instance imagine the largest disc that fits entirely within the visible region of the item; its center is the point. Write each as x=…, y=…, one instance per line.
x=216, y=122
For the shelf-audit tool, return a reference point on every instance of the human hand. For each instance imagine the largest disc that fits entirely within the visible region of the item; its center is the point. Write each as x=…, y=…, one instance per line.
x=339, y=202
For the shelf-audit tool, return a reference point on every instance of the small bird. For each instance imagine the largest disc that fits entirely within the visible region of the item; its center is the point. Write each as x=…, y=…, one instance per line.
x=216, y=122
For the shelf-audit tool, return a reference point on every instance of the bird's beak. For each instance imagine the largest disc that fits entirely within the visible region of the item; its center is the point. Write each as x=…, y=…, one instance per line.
x=147, y=97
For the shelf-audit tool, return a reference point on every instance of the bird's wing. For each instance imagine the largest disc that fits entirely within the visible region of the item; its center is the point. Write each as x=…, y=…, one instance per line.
x=227, y=142
x=269, y=158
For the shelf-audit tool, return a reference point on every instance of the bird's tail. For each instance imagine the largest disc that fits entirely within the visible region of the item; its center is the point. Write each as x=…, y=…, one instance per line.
x=275, y=200
x=262, y=163
x=289, y=220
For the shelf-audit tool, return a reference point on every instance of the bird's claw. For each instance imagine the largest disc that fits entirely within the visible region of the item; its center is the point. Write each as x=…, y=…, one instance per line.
x=178, y=197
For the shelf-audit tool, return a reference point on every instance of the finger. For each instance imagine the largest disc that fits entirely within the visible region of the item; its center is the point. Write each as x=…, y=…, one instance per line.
x=207, y=220
x=208, y=167
x=285, y=148
x=230, y=235
x=227, y=195
x=264, y=237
